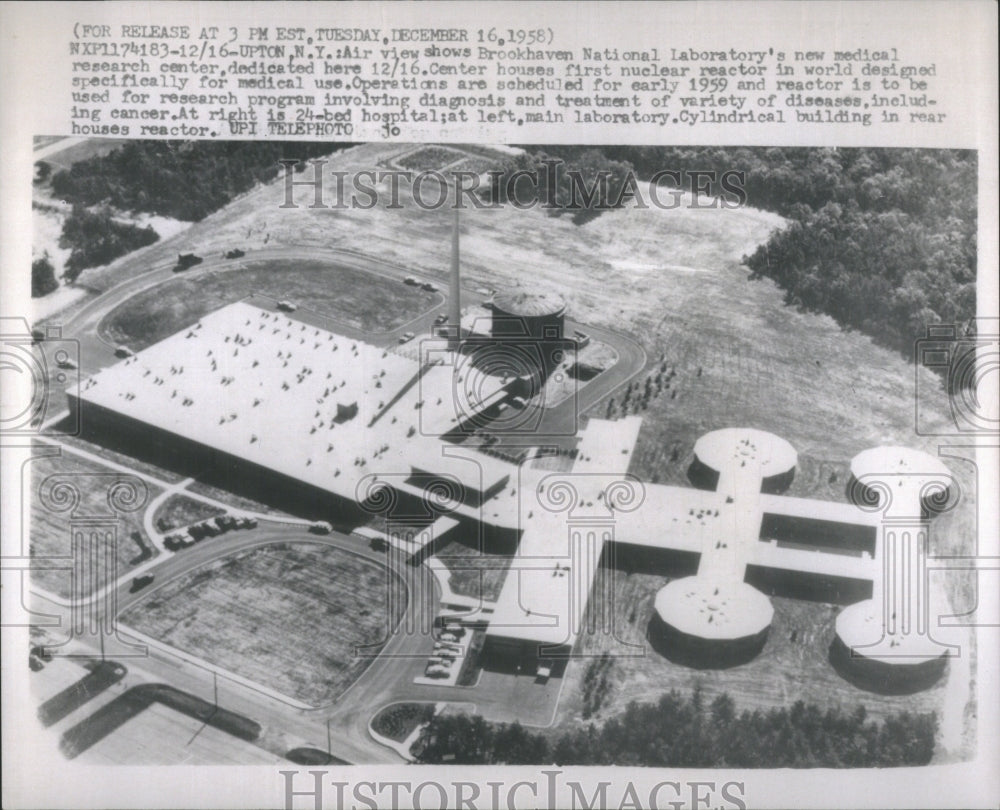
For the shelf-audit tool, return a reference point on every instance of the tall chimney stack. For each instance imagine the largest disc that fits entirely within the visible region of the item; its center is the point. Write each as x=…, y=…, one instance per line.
x=454, y=290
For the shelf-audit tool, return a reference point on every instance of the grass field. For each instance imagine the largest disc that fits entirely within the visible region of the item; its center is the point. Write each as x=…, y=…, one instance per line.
x=178, y=511
x=52, y=512
x=793, y=665
x=358, y=299
x=288, y=616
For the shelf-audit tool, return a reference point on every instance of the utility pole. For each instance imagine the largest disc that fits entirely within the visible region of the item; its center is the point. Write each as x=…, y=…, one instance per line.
x=454, y=289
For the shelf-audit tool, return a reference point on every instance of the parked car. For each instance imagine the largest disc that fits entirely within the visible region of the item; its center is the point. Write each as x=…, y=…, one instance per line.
x=235, y=253
x=123, y=352
x=429, y=287
x=287, y=306
x=406, y=337
x=411, y=281
x=186, y=260
x=440, y=319
x=140, y=582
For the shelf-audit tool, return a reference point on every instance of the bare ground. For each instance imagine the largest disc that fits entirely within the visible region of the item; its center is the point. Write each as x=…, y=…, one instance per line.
x=286, y=616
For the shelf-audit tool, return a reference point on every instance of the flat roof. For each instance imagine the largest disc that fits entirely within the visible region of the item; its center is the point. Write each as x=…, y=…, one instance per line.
x=606, y=447
x=550, y=579
x=732, y=448
x=306, y=402
x=909, y=473
x=717, y=610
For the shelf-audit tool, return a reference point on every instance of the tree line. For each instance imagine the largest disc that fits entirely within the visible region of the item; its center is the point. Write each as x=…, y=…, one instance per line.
x=882, y=240
x=684, y=732
x=96, y=237
x=185, y=180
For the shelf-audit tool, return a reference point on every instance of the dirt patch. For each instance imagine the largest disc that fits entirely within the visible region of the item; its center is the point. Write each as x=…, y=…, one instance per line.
x=793, y=665
x=288, y=616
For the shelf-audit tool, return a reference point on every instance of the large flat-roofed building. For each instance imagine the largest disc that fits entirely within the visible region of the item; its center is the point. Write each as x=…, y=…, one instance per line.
x=274, y=399
x=734, y=542
x=330, y=421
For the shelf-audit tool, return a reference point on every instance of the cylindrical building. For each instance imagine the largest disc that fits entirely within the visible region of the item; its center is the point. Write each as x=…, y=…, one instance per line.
x=710, y=623
x=532, y=321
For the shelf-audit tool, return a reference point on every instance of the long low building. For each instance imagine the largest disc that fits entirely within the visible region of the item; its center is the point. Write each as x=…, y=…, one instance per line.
x=269, y=399
x=580, y=525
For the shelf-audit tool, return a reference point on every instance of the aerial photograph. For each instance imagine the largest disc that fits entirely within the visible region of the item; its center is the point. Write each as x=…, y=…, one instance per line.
x=389, y=453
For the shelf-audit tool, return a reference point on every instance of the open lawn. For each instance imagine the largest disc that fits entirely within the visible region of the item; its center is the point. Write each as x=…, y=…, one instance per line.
x=178, y=511
x=288, y=616
x=793, y=665
x=66, y=487
x=81, y=150
x=362, y=300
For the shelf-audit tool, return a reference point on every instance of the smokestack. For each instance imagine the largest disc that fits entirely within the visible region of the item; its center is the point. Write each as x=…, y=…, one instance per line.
x=454, y=290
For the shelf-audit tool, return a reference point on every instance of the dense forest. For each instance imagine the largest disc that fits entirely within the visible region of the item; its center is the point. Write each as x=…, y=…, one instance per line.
x=687, y=733
x=882, y=240
x=43, y=276
x=96, y=237
x=184, y=180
